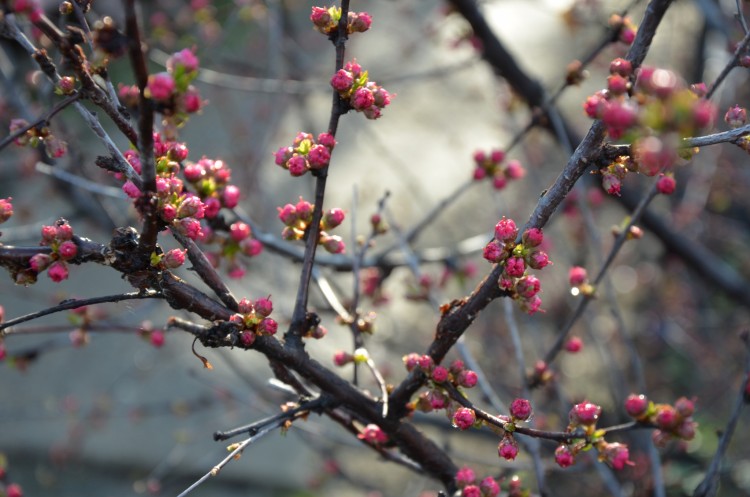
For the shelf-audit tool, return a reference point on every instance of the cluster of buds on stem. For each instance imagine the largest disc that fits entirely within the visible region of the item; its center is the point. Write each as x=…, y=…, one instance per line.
x=36, y=136
x=583, y=418
x=490, y=166
x=174, y=95
x=326, y=21
x=673, y=421
x=436, y=398
x=238, y=241
x=364, y=96
x=306, y=154
x=653, y=110
x=253, y=319
x=466, y=480
x=297, y=219
x=59, y=237
x=516, y=258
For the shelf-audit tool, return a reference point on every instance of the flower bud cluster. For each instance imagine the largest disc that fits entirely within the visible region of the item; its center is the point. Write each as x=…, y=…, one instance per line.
x=516, y=258
x=297, y=218
x=326, y=21
x=435, y=398
x=672, y=421
x=466, y=480
x=363, y=95
x=253, y=319
x=653, y=109
x=306, y=154
x=59, y=237
x=174, y=95
x=583, y=418
x=38, y=136
x=491, y=166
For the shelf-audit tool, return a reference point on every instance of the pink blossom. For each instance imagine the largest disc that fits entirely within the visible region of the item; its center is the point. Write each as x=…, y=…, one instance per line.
x=304, y=210
x=489, y=487
x=666, y=184
x=263, y=306
x=617, y=455
x=157, y=338
x=236, y=270
x=382, y=97
x=211, y=207
x=528, y=286
x=467, y=378
x=514, y=170
x=178, y=152
x=353, y=68
x=327, y=140
x=40, y=262
x=334, y=244
x=493, y=252
x=268, y=326
x=191, y=206
x=359, y=22
x=189, y=227
x=538, y=259
x=297, y=165
x=471, y=491
x=574, y=345
x=533, y=237
x=247, y=338
x=193, y=172
x=666, y=417
x=191, y=100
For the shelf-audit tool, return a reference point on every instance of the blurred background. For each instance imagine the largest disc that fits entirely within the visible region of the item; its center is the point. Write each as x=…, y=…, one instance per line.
x=117, y=416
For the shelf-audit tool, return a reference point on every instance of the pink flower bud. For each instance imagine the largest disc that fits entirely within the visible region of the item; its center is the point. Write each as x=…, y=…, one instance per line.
x=359, y=22
x=322, y=20
x=686, y=429
x=342, y=81
x=508, y=447
x=191, y=206
x=268, y=326
x=514, y=170
x=735, y=117
x=464, y=418
x=426, y=363
x=297, y=165
x=515, y=267
x=666, y=184
x=318, y=157
x=636, y=405
x=439, y=374
x=382, y=97
x=528, y=286
x=704, y=113
x=178, y=152
x=520, y=409
x=538, y=259
x=411, y=361
x=58, y=271
x=505, y=230
x=189, y=226
x=489, y=487
x=131, y=190
x=373, y=435
x=342, y=358
x=574, y=345
x=617, y=85
x=494, y=252
x=332, y=218
x=563, y=457
x=327, y=140
x=230, y=197
x=617, y=455
x=14, y=489
x=157, y=338
x=465, y=476
x=621, y=66
x=594, y=105
x=533, y=237
x=247, y=338
x=304, y=210
x=619, y=117
x=67, y=250
x=6, y=209
x=239, y=231
x=334, y=244
x=174, y=258
x=64, y=231
x=264, y=306
x=577, y=276
x=211, y=207
x=40, y=262
x=684, y=407
x=467, y=378
x=251, y=247
x=353, y=68
x=160, y=87
x=653, y=155
x=585, y=414
x=49, y=234
x=184, y=59
x=362, y=99
x=191, y=100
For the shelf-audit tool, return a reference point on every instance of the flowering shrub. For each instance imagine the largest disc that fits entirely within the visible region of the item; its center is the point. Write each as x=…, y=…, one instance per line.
x=184, y=222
